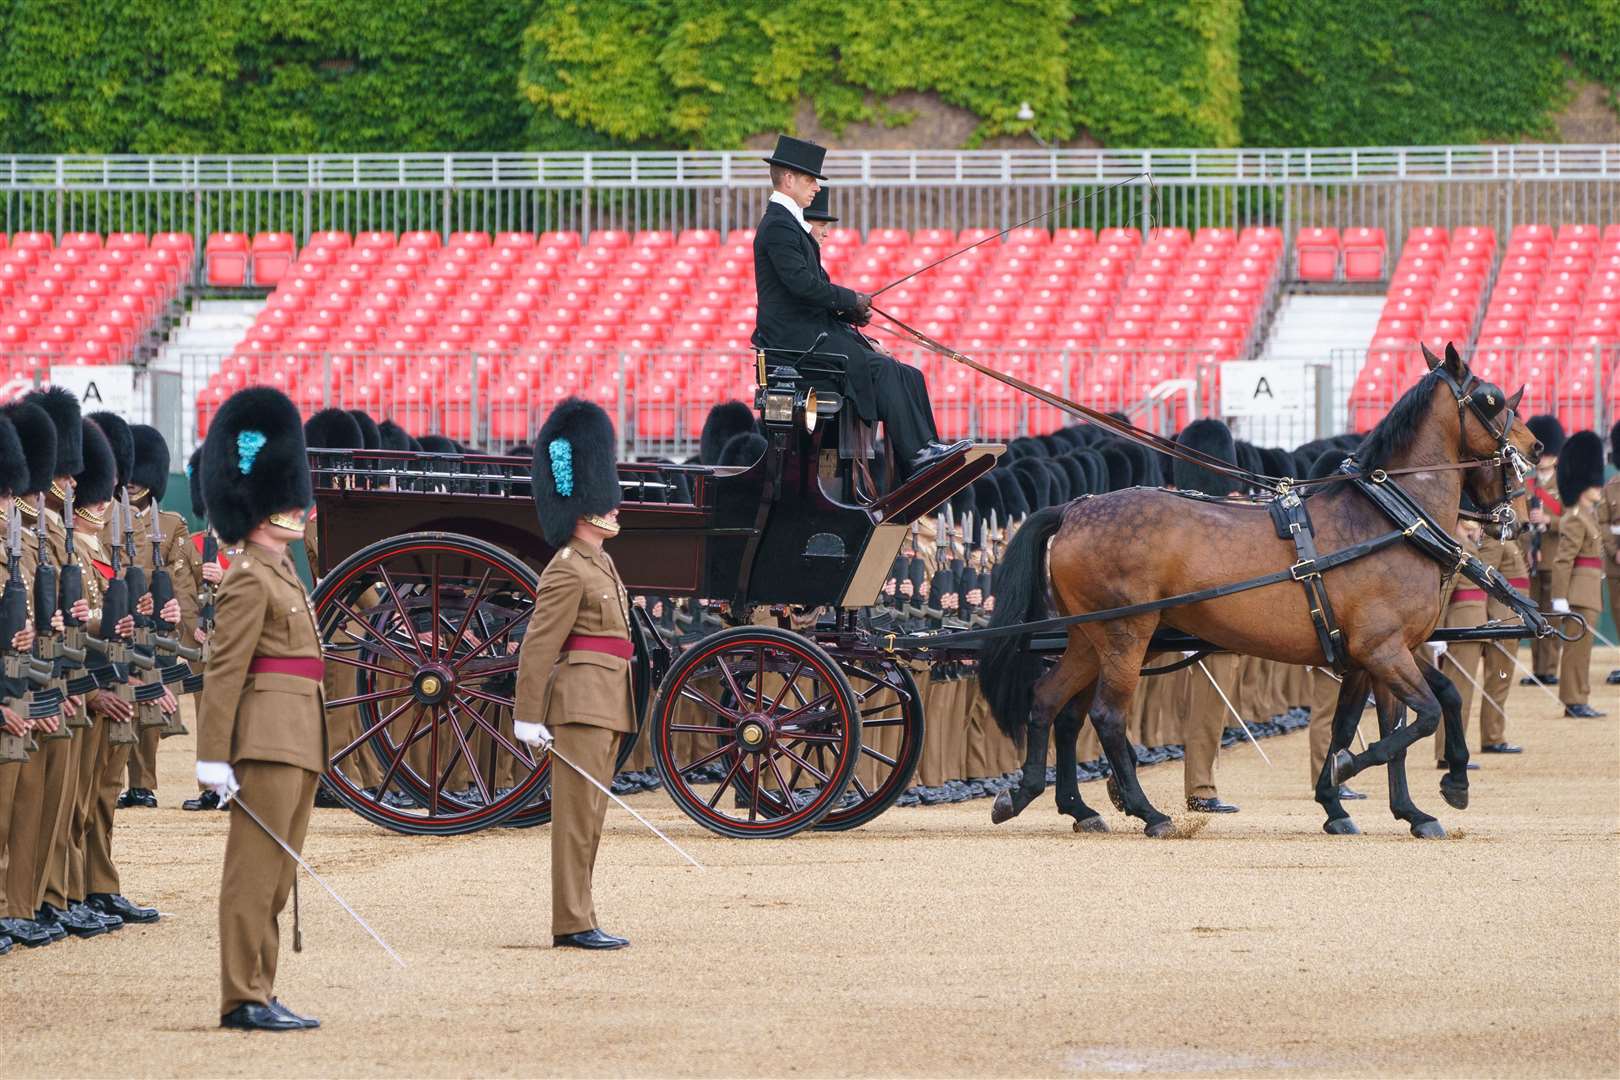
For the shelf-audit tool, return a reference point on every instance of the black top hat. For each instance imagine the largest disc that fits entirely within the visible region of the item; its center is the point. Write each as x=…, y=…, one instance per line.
x=575, y=470
x=819, y=208
x=799, y=155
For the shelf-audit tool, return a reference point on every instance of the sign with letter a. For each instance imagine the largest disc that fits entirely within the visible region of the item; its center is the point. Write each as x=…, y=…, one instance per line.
x=101, y=388
x=1263, y=388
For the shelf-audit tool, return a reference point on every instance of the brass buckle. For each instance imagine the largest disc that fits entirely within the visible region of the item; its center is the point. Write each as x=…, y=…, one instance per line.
x=1378, y=476
x=1311, y=571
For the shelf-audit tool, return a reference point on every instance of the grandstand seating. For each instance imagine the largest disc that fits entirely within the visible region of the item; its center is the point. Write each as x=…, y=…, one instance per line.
x=1540, y=318
x=551, y=315
x=86, y=299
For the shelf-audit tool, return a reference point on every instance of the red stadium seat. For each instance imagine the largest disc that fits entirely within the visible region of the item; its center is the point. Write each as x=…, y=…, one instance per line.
x=272, y=255
x=1363, y=254
x=226, y=256
x=1317, y=253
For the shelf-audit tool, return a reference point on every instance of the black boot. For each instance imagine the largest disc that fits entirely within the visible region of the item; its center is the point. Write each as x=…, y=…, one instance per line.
x=77, y=920
x=26, y=932
x=306, y=1022
x=593, y=938
x=255, y=1017
x=206, y=800
x=116, y=905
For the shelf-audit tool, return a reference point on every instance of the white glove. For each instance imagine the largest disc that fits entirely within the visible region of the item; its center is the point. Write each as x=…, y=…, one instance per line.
x=1439, y=650
x=1561, y=605
x=219, y=778
x=531, y=734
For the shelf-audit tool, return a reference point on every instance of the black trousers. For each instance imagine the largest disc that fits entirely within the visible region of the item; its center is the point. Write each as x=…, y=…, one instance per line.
x=903, y=406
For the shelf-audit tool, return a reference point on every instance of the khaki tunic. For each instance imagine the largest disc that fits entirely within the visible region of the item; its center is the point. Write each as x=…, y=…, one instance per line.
x=1582, y=586
x=585, y=698
x=1500, y=657
x=269, y=727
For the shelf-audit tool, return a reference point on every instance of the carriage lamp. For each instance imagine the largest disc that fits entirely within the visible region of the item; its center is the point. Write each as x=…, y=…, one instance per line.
x=789, y=406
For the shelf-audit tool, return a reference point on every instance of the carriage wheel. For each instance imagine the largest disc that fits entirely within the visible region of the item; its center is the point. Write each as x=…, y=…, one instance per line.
x=420, y=633
x=891, y=741
x=746, y=715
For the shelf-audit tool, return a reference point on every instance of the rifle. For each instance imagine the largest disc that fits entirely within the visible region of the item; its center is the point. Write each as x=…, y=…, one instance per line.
x=54, y=648
x=118, y=653
x=26, y=689
x=1536, y=531
x=165, y=638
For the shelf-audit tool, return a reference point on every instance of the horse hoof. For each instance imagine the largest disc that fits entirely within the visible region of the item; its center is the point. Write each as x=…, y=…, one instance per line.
x=1342, y=766
x=1429, y=830
x=1456, y=797
x=1158, y=830
x=1094, y=823
x=1002, y=809
x=1115, y=797
x=1340, y=826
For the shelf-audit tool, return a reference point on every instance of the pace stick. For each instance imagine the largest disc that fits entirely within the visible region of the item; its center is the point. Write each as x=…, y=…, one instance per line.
x=599, y=786
x=1233, y=711
x=299, y=859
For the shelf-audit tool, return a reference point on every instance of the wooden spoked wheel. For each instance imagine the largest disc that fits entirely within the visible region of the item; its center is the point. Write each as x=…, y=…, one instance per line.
x=892, y=730
x=421, y=635
x=756, y=732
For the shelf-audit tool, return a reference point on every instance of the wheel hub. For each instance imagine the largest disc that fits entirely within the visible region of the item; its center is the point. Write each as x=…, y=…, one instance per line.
x=433, y=684
x=754, y=733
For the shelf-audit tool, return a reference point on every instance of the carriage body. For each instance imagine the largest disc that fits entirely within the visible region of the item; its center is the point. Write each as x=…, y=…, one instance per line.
x=431, y=562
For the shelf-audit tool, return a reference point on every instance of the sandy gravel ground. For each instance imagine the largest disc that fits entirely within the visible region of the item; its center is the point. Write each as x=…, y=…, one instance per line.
x=928, y=943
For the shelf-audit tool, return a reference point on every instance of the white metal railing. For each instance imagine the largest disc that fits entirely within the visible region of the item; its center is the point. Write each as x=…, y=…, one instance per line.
x=882, y=168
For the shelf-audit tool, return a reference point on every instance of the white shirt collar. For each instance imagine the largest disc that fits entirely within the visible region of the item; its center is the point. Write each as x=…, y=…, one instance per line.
x=792, y=207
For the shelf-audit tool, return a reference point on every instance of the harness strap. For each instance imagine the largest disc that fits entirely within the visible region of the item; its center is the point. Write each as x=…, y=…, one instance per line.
x=895, y=642
x=1293, y=522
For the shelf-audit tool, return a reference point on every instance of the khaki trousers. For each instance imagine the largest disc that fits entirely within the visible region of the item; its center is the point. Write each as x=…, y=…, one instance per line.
x=1324, y=699
x=1575, y=672
x=577, y=811
x=257, y=877
x=92, y=751
x=1203, y=719
x=28, y=808
x=51, y=847
x=100, y=873
x=1497, y=679
x=10, y=772
x=143, y=760
x=1544, y=652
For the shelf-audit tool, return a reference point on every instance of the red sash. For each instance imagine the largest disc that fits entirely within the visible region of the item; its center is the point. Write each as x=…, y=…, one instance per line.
x=611, y=645
x=304, y=667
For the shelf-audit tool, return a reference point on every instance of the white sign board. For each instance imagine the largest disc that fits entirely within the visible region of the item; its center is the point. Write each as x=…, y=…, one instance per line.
x=1264, y=388
x=102, y=388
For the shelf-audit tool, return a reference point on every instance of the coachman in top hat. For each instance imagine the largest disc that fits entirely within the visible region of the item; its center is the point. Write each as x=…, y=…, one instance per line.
x=797, y=304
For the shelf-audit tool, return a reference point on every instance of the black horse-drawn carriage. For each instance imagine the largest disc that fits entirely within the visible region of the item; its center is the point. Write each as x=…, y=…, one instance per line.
x=790, y=716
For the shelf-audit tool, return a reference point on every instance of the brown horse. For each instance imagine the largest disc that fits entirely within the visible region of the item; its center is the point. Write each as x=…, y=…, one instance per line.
x=1146, y=544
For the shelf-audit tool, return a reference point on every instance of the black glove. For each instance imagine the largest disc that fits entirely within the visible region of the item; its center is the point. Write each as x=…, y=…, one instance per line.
x=863, y=309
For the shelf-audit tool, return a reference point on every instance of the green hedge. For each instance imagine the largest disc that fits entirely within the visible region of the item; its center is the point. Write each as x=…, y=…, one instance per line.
x=256, y=76
x=252, y=76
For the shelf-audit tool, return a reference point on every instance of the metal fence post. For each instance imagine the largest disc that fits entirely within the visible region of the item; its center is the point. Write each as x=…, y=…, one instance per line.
x=619, y=401
x=326, y=379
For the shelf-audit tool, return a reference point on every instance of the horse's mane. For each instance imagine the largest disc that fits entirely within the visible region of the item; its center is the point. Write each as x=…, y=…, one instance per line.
x=1399, y=426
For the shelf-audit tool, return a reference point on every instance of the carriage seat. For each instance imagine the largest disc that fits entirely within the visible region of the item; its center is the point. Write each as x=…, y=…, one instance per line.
x=852, y=437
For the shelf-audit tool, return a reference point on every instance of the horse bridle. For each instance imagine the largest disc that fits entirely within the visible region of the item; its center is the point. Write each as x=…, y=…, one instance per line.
x=1514, y=468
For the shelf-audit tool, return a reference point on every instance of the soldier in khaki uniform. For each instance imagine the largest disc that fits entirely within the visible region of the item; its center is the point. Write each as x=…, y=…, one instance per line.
x=1500, y=656
x=1203, y=714
x=17, y=479
x=1608, y=516
x=1460, y=661
x=261, y=732
x=148, y=483
x=574, y=664
x=1577, y=568
x=1541, y=540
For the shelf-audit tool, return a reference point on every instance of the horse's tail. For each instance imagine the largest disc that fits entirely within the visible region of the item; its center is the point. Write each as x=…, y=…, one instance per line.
x=1007, y=672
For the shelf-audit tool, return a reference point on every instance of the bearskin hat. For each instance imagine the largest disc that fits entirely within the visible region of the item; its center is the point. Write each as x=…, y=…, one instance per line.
x=254, y=462
x=1144, y=464
x=1058, y=477
x=334, y=429
x=122, y=441
x=199, y=506
x=1096, y=468
x=1079, y=482
x=1326, y=464
x=97, y=481
x=1248, y=456
x=1012, y=493
x=1580, y=466
x=1214, y=438
x=1614, y=445
x=63, y=408
x=439, y=444
x=1121, y=473
x=575, y=468
x=371, y=437
x=37, y=434
x=1036, y=482
x=395, y=437
x=151, y=460
x=1278, y=462
x=1549, y=432
x=987, y=500
x=1025, y=446
x=13, y=462
x=742, y=449
x=724, y=422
